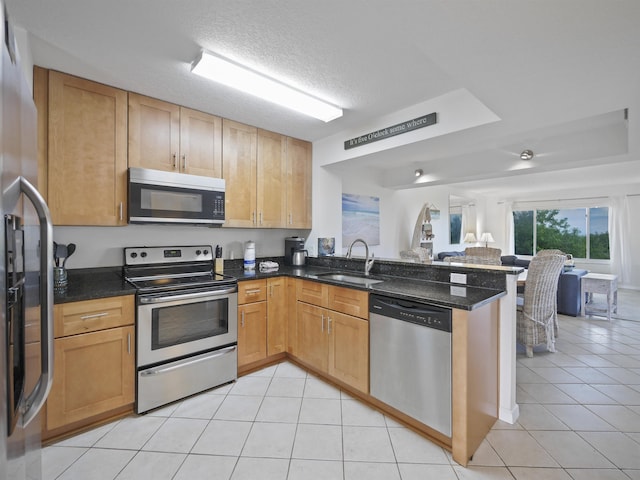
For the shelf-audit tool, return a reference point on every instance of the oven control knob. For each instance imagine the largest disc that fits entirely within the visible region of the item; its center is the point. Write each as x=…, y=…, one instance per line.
x=206, y=252
x=143, y=254
x=198, y=252
x=134, y=254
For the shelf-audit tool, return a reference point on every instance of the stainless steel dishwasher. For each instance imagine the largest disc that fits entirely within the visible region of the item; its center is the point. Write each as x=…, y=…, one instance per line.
x=410, y=368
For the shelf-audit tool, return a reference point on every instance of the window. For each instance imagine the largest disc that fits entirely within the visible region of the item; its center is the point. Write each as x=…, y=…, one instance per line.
x=582, y=232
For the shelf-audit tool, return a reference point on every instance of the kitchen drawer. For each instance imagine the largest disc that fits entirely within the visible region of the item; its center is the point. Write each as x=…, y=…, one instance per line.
x=349, y=301
x=92, y=315
x=251, y=291
x=315, y=293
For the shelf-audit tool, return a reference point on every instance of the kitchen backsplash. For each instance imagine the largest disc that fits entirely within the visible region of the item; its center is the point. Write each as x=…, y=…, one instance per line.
x=103, y=246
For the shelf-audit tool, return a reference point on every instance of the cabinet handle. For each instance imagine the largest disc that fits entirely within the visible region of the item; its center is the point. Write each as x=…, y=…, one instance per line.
x=322, y=323
x=242, y=319
x=290, y=218
x=184, y=162
x=328, y=325
x=120, y=211
x=129, y=343
x=174, y=160
x=95, y=315
x=260, y=218
x=255, y=291
x=253, y=218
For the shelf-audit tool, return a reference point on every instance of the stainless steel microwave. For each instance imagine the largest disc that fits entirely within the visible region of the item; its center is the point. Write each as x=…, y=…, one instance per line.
x=156, y=196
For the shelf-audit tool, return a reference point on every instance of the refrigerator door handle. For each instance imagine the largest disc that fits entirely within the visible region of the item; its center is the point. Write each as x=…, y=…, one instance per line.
x=35, y=401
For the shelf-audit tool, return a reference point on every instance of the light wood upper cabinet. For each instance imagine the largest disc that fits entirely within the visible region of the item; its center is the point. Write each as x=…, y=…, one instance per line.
x=271, y=180
x=87, y=151
x=299, y=166
x=268, y=178
x=200, y=143
x=168, y=137
x=239, y=171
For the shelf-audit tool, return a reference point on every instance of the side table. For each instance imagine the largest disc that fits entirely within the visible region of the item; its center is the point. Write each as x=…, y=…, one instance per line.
x=599, y=283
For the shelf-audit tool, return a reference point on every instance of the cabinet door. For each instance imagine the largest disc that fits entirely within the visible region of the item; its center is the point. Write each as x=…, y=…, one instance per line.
x=349, y=350
x=94, y=374
x=298, y=183
x=276, y=315
x=313, y=341
x=200, y=143
x=252, y=332
x=292, y=317
x=239, y=147
x=154, y=133
x=271, y=180
x=87, y=152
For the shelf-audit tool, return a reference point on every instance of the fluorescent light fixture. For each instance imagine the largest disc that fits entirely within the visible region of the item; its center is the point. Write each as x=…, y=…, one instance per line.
x=241, y=78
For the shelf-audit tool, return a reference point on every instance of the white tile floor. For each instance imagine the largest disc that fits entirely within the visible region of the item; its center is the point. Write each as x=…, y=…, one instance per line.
x=580, y=419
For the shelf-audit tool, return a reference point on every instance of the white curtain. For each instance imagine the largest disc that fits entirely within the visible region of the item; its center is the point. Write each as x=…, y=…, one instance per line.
x=509, y=229
x=620, y=250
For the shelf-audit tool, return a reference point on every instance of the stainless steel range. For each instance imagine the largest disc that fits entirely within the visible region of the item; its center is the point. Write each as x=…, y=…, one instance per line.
x=186, y=323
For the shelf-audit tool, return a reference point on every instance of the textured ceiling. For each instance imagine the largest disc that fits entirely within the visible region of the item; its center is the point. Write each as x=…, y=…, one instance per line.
x=550, y=70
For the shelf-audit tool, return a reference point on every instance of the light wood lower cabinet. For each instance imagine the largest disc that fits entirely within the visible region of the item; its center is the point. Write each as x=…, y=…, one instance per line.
x=313, y=341
x=329, y=336
x=252, y=332
x=95, y=372
x=94, y=359
x=277, y=309
x=262, y=315
x=349, y=350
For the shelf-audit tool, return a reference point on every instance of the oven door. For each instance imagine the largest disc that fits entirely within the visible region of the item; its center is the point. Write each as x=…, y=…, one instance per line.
x=176, y=325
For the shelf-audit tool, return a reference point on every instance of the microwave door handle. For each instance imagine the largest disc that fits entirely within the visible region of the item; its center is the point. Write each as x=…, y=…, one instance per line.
x=36, y=399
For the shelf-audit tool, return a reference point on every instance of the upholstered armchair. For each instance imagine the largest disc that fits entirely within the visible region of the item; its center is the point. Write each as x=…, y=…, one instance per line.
x=536, y=318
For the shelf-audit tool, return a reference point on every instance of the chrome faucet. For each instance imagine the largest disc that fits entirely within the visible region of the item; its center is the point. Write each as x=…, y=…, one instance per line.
x=368, y=263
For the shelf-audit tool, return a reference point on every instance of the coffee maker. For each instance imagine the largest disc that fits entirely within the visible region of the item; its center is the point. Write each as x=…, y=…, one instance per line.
x=291, y=245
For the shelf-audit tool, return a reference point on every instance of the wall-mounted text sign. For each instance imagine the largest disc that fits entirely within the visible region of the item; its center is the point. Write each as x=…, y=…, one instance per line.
x=392, y=131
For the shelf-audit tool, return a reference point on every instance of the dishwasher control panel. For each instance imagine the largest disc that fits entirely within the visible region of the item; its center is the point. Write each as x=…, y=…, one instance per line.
x=413, y=312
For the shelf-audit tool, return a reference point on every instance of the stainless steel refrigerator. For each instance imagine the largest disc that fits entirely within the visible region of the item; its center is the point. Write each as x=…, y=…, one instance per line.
x=26, y=287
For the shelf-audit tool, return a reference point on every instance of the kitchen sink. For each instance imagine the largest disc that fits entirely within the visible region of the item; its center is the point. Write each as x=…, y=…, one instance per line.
x=350, y=278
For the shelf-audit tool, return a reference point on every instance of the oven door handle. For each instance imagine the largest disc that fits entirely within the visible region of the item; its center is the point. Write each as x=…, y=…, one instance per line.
x=190, y=361
x=187, y=296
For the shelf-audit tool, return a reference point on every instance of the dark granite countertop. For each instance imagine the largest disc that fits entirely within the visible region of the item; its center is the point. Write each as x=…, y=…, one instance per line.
x=92, y=283
x=434, y=292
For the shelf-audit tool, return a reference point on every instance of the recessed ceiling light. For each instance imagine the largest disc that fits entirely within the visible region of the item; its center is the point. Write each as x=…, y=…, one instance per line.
x=419, y=172
x=241, y=78
x=526, y=155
